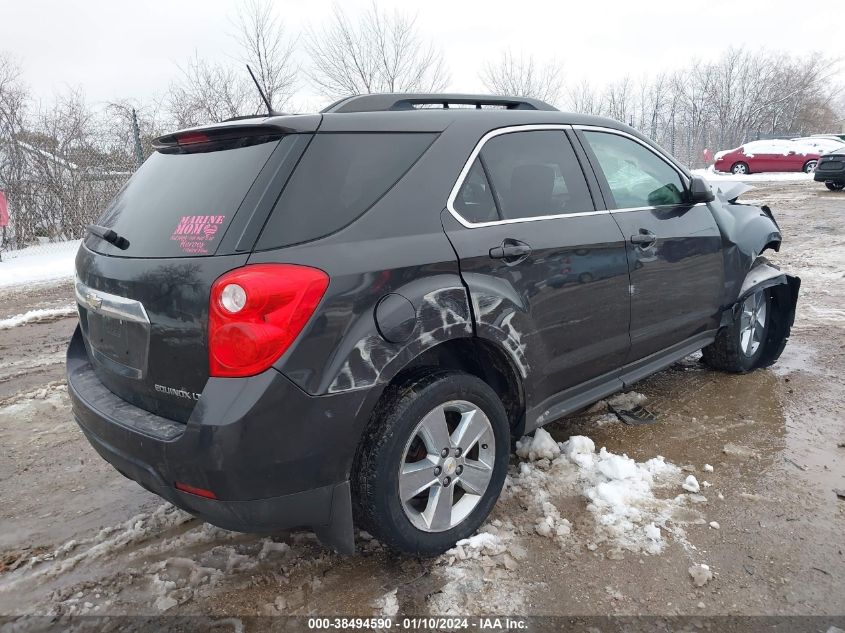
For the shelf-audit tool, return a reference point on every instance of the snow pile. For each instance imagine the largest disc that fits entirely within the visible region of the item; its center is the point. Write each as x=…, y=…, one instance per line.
x=174, y=581
x=27, y=407
x=48, y=262
x=387, y=605
x=621, y=402
x=271, y=547
x=691, y=484
x=37, y=316
x=621, y=494
x=627, y=401
x=622, y=498
x=477, y=576
x=541, y=446
x=701, y=574
x=476, y=545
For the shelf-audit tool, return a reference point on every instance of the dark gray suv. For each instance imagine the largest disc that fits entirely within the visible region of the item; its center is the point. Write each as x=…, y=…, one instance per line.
x=344, y=318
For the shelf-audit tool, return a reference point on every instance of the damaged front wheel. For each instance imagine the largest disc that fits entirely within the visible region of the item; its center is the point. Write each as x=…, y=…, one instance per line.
x=740, y=346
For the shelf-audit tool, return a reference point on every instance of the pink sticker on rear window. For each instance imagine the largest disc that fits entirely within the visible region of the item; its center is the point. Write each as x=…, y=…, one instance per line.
x=195, y=232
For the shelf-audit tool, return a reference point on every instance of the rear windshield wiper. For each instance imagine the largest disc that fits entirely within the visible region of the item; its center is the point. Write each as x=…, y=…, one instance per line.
x=107, y=234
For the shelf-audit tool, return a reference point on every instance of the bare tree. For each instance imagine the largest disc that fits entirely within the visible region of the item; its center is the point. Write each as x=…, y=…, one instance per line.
x=378, y=52
x=13, y=95
x=207, y=93
x=118, y=130
x=522, y=76
x=13, y=103
x=619, y=99
x=584, y=98
x=267, y=49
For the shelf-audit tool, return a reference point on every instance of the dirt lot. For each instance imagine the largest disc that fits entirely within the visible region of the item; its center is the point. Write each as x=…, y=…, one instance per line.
x=77, y=537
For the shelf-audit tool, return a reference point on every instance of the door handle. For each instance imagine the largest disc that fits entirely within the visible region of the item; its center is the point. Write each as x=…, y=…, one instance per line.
x=511, y=251
x=644, y=238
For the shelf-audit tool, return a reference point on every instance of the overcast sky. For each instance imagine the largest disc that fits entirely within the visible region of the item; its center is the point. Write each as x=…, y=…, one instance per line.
x=116, y=49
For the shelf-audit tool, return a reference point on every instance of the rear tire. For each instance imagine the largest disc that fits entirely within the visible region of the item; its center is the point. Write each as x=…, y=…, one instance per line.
x=740, y=346
x=810, y=166
x=740, y=168
x=413, y=494
x=835, y=186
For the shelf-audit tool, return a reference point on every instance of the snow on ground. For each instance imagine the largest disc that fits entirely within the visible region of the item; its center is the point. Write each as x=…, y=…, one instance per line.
x=37, y=316
x=36, y=264
x=715, y=176
x=621, y=493
x=477, y=574
x=634, y=506
x=388, y=605
x=165, y=557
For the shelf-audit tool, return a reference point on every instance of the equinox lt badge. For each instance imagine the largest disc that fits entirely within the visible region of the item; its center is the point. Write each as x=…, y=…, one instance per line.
x=179, y=393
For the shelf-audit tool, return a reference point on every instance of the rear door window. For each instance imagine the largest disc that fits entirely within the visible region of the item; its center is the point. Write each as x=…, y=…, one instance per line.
x=475, y=200
x=180, y=205
x=535, y=174
x=338, y=179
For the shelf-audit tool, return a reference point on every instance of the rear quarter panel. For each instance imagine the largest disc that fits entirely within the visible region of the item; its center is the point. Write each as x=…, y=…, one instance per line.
x=397, y=247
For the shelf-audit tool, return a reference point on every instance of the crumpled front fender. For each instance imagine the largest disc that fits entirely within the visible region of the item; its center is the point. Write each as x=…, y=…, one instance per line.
x=783, y=291
x=747, y=231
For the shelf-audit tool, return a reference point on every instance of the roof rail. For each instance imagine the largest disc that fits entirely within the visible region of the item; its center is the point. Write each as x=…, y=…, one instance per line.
x=413, y=101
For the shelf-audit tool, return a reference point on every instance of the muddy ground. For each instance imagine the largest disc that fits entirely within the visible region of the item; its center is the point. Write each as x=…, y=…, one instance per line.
x=76, y=537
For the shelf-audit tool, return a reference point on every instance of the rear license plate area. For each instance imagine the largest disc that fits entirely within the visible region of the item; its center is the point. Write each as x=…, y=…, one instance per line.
x=117, y=344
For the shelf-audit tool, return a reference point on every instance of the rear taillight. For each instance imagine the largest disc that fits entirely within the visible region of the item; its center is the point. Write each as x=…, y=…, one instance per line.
x=256, y=312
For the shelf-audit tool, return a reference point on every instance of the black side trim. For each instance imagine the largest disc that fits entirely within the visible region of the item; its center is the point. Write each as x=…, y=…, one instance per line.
x=580, y=396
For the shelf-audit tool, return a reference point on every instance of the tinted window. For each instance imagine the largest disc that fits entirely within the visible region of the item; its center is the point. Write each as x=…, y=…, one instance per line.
x=535, y=173
x=338, y=179
x=179, y=205
x=637, y=176
x=475, y=199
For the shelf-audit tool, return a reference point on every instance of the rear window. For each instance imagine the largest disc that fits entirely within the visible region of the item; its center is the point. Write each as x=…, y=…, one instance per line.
x=180, y=205
x=339, y=178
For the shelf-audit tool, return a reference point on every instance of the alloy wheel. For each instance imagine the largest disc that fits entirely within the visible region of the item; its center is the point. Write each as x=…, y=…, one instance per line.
x=446, y=466
x=810, y=167
x=752, y=323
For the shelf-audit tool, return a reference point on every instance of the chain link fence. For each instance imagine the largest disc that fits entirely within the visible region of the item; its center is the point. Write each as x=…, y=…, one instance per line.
x=51, y=193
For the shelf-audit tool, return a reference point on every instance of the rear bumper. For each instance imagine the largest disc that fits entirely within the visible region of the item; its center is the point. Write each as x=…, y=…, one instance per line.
x=274, y=456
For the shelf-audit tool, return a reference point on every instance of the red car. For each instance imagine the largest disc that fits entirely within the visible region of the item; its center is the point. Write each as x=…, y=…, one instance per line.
x=775, y=155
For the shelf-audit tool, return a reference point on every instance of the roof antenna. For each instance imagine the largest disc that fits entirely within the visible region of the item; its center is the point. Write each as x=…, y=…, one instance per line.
x=264, y=98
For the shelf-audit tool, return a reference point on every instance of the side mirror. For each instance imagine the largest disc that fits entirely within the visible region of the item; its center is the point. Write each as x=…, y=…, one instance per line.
x=700, y=191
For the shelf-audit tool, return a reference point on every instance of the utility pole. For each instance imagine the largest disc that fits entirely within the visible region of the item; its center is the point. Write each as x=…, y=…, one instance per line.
x=672, y=124
x=136, y=135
